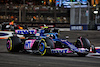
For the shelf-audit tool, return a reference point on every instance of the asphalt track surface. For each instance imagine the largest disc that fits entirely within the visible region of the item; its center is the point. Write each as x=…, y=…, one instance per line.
x=32, y=60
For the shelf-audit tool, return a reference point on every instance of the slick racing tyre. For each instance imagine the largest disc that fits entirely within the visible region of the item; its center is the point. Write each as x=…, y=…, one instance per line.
x=14, y=44
x=83, y=43
x=50, y=42
x=45, y=45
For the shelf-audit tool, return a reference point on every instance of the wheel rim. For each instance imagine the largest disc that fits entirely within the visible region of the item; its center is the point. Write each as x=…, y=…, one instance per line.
x=9, y=44
x=42, y=47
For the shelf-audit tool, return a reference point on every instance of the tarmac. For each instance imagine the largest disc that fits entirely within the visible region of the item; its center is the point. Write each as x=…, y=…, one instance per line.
x=69, y=60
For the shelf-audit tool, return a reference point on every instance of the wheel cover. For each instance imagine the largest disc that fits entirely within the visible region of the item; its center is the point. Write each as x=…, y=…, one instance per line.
x=42, y=47
x=9, y=44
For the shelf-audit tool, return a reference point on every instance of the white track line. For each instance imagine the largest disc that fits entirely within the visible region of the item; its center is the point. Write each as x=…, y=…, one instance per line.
x=94, y=55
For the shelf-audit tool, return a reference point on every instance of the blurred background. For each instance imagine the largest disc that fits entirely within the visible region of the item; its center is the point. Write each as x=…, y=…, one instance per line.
x=65, y=13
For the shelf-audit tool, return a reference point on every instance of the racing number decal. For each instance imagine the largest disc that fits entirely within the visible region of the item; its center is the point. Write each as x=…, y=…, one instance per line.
x=42, y=46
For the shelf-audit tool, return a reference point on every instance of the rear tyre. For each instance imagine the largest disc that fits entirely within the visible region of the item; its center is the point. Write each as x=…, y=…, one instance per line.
x=14, y=44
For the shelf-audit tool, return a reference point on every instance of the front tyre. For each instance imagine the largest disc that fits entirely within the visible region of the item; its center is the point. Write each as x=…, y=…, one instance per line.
x=83, y=43
x=42, y=47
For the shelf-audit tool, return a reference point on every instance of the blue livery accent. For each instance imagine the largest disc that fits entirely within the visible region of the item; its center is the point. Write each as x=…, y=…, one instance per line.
x=3, y=34
x=98, y=50
x=73, y=48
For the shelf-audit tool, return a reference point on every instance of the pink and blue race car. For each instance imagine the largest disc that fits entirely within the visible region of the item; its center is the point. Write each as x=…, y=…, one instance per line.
x=40, y=41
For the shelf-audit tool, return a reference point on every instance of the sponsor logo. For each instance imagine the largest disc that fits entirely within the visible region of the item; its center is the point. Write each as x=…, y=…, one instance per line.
x=28, y=44
x=76, y=27
x=82, y=50
x=63, y=40
x=25, y=31
x=59, y=50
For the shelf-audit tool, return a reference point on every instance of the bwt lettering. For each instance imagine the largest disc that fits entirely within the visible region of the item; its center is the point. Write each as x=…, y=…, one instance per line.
x=59, y=51
x=25, y=32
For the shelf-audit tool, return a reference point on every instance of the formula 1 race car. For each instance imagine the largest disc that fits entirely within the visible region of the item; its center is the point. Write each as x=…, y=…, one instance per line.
x=10, y=26
x=46, y=43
